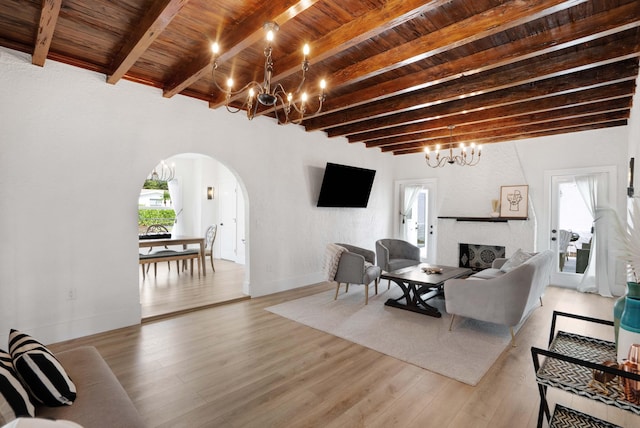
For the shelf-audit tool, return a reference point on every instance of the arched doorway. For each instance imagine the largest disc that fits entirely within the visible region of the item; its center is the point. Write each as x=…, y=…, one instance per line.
x=202, y=192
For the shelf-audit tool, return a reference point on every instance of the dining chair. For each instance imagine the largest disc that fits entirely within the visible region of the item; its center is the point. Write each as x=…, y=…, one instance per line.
x=153, y=229
x=210, y=238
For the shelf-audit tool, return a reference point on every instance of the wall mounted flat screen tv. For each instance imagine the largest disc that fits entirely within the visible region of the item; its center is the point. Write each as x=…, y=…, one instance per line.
x=345, y=186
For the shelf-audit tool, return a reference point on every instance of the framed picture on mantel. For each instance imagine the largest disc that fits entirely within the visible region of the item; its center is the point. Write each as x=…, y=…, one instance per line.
x=514, y=201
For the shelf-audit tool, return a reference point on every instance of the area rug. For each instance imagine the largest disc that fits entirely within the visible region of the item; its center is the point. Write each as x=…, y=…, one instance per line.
x=464, y=354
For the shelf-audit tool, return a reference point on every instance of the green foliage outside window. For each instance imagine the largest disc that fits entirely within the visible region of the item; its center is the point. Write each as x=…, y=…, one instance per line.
x=155, y=184
x=149, y=216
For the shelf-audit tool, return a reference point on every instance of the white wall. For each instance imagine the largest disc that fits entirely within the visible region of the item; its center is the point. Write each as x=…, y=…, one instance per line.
x=64, y=132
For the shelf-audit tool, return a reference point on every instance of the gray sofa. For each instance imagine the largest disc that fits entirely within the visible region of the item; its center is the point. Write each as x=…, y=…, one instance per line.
x=101, y=400
x=494, y=295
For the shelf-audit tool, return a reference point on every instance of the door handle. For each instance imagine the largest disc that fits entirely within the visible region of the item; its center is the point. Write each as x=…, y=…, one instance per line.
x=553, y=239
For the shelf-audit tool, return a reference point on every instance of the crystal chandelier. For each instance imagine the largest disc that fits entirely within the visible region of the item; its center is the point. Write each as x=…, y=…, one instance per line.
x=460, y=159
x=163, y=172
x=288, y=107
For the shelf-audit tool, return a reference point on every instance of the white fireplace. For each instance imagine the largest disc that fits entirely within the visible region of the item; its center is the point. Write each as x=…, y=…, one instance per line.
x=511, y=235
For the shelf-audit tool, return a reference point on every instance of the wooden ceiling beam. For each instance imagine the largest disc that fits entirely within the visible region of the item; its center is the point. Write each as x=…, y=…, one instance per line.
x=146, y=31
x=489, y=135
x=241, y=36
x=392, y=14
x=544, y=133
x=508, y=15
x=46, y=27
x=585, y=30
x=554, y=102
x=361, y=29
x=550, y=65
x=585, y=79
x=582, y=111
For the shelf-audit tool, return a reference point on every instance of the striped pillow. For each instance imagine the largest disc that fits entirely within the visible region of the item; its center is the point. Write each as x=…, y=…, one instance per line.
x=14, y=399
x=40, y=371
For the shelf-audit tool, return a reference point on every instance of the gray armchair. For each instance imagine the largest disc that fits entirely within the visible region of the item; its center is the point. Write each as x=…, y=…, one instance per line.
x=394, y=254
x=356, y=266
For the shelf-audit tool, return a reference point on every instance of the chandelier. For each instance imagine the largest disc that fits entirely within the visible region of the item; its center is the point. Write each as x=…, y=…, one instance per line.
x=460, y=159
x=288, y=106
x=163, y=172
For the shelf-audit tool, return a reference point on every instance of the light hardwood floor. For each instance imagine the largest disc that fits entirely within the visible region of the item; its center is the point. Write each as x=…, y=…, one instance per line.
x=171, y=292
x=238, y=365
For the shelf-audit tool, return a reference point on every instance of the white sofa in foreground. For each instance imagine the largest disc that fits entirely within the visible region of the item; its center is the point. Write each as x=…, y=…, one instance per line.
x=101, y=400
x=504, y=294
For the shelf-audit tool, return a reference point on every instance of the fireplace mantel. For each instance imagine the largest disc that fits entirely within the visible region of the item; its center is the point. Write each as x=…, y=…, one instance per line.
x=484, y=219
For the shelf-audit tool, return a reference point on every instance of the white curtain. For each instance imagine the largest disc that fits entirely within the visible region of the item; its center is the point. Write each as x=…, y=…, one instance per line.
x=175, y=191
x=410, y=195
x=600, y=275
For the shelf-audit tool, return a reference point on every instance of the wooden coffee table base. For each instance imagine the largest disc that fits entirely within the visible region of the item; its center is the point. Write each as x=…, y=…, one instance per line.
x=418, y=286
x=415, y=297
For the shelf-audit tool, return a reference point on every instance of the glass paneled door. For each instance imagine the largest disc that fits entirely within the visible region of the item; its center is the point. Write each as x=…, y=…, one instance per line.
x=571, y=222
x=417, y=216
x=572, y=228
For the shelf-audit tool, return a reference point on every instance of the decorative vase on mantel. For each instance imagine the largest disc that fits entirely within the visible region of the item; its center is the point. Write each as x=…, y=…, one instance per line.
x=495, y=208
x=633, y=291
x=629, y=331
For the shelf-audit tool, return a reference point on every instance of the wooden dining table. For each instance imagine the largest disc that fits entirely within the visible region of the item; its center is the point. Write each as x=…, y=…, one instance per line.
x=177, y=240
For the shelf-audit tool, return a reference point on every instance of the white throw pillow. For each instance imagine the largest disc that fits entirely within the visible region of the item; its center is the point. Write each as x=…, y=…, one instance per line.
x=515, y=260
x=41, y=423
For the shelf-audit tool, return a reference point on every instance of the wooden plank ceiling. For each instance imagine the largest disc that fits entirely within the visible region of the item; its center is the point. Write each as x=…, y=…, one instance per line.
x=399, y=72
